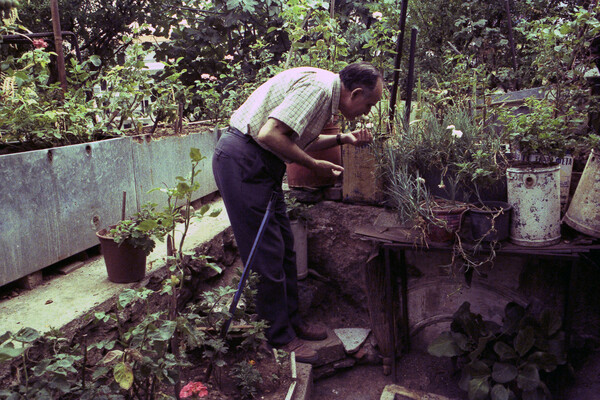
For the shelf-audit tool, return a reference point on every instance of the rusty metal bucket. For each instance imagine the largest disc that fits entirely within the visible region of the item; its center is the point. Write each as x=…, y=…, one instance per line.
x=534, y=194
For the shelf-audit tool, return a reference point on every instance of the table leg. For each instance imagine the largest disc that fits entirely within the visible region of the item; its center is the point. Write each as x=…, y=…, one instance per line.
x=404, y=300
x=571, y=286
x=389, y=306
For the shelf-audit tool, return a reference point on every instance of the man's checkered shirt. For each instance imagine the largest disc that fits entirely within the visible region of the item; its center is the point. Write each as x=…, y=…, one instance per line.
x=304, y=99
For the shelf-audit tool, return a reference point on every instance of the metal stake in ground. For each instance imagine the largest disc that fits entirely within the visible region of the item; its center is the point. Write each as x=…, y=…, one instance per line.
x=247, y=269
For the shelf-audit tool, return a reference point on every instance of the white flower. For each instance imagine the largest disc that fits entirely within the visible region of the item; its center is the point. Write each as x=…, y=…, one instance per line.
x=420, y=180
x=205, y=76
x=429, y=53
x=442, y=186
x=369, y=125
x=456, y=133
x=377, y=15
x=228, y=57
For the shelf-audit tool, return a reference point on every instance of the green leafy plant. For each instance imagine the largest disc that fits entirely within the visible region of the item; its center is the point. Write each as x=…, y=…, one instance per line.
x=140, y=360
x=454, y=154
x=316, y=36
x=541, y=131
x=593, y=142
x=142, y=229
x=508, y=361
x=247, y=377
x=296, y=210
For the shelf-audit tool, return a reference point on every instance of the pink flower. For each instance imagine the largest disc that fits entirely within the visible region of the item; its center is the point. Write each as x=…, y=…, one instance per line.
x=39, y=43
x=212, y=78
x=228, y=57
x=193, y=388
x=205, y=76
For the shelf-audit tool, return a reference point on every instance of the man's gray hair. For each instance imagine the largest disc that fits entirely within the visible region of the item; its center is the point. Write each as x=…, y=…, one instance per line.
x=360, y=74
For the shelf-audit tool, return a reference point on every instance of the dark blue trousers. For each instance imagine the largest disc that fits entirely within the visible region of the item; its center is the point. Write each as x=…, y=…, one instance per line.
x=246, y=176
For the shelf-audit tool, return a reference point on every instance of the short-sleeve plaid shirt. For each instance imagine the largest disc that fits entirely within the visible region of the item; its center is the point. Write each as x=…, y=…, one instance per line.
x=303, y=98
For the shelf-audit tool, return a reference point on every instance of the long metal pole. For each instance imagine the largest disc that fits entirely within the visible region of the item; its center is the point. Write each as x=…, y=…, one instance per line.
x=511, y=39
x=58, y=45
x=398, y=59
x=411, y=73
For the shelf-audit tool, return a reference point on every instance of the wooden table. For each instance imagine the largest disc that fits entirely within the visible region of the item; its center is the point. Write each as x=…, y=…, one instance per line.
x=398, y=240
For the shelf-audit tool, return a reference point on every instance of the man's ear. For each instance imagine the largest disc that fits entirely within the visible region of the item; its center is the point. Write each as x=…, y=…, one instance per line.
x=356, y=92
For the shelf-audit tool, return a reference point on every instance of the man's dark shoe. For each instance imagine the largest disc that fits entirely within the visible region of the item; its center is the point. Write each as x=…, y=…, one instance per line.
x=310, y=332
x=304, y=353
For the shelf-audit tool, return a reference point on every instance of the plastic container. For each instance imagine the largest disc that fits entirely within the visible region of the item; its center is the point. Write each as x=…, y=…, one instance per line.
x=491, y=223
x=300, y=246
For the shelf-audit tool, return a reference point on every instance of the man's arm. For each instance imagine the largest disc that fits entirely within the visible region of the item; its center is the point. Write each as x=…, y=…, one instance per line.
x=358, y=138
x=275, y=135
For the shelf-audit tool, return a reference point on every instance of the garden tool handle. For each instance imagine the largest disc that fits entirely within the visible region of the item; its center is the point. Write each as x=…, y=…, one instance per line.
x=246, y=272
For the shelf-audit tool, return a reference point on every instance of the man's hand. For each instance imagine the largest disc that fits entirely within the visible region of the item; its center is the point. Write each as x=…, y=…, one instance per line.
x=358, y=138
x=325, y=168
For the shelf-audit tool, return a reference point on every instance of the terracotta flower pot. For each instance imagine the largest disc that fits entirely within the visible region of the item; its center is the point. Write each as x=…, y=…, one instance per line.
x=124, y=263
x=300, y=176
x=449, y=217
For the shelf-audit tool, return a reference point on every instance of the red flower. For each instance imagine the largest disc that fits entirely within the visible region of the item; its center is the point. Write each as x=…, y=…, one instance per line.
x=39, y=43
x=193, y=388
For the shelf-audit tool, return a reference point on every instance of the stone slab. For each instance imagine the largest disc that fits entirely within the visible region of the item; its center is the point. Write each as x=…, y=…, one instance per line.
x=352, y=338
x=329, y=350
x=303, y=389
x=397, y=392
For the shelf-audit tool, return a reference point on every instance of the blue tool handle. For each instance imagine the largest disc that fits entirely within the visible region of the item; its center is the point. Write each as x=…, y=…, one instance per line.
x=248, y=266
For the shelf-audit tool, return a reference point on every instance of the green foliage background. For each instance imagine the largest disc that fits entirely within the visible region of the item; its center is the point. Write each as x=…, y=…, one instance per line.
x=461, y=51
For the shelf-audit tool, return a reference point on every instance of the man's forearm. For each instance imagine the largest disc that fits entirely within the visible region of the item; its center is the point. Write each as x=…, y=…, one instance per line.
x=327, y=141
x=274, y=135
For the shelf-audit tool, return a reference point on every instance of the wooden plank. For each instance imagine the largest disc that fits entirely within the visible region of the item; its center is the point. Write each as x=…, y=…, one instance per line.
x=395, y=234
x=360, y=181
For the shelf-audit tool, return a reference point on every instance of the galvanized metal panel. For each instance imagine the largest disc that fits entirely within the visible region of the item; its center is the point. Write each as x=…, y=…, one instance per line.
x=52, y=201
x=49, y=198
x=90, y=181
x=27, y=214
x=159, y=161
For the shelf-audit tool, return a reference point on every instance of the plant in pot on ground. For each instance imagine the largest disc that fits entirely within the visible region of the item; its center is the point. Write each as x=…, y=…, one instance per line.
x=517, y=360
x=126, y=245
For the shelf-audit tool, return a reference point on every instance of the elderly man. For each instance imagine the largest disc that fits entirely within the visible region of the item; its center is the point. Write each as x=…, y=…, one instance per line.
x=281, y=119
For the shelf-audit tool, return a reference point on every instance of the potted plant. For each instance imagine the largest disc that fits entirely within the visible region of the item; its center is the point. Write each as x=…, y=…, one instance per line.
x=434, y=165
x=126, y=244
x=515, y=360
x=538, y=137
x=485, y=175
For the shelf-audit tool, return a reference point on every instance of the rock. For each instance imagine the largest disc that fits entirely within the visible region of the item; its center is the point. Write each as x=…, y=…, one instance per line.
x=368, y=353
x=329, y=350
x=345, y=363
x=352, y=338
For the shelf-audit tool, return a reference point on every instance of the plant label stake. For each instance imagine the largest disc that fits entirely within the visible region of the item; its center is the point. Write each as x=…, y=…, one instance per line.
x=245, y=273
